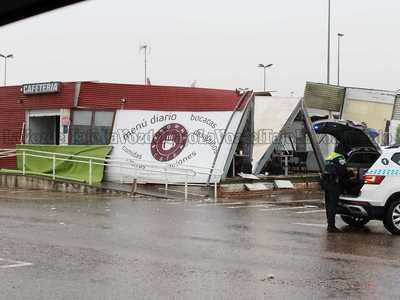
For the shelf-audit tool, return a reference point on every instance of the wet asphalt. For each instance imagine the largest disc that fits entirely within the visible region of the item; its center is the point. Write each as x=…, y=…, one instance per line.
x=58, y=246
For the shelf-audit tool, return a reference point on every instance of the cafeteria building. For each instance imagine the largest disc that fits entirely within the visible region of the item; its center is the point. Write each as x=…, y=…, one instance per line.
x=216, y=133
x=177, y=126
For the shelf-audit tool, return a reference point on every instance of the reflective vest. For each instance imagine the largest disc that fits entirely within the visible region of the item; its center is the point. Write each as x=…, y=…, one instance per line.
x=335, y=165
x=333, y=155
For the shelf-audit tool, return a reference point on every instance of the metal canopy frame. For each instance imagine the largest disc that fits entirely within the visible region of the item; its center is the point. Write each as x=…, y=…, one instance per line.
x=248, y=96
x=313, y=137
x=248, y=114
x=300, y=108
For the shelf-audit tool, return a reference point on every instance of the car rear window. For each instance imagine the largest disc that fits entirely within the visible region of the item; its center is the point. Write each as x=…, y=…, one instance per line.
x=396, y=158
x=363, y=158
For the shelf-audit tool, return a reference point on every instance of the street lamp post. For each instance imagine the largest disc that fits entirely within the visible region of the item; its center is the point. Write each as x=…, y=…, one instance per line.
x=340, y=35
x=145, y=49
x=5, y=65
x=265, y=73
x=329, y=44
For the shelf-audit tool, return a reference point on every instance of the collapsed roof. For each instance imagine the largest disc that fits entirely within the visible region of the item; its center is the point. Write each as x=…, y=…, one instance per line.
x=273, y=116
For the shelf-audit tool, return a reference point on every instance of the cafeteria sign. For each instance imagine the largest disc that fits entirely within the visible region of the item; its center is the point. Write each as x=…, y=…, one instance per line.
x=41, y=88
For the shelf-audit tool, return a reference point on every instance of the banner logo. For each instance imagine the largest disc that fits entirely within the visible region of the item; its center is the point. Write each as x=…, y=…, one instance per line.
x=169, y=142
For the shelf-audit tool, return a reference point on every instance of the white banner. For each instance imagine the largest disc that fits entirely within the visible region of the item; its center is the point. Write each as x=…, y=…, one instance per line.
x=172, y=146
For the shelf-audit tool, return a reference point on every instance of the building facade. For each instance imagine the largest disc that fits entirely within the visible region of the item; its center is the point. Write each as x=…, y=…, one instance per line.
x=176, y=126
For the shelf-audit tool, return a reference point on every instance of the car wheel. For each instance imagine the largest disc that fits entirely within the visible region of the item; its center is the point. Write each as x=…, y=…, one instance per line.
x=355, y=221
x=392, y=218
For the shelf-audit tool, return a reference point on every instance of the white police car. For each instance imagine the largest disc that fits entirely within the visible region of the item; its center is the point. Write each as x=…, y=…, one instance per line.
x=374, y=191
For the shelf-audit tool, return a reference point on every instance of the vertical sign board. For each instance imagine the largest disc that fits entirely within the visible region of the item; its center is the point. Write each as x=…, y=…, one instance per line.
x=175, y=140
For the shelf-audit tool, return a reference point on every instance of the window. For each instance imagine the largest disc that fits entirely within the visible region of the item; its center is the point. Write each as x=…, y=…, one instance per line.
x=101, y=130
x=80, y=128
x=363, y=158
x=396, y=158
x=82, y=118
x=91, y=127
x=103, y=118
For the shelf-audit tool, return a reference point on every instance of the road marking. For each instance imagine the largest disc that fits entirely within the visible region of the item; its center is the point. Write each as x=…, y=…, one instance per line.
x=13, y=264
x=282, y=208
x=300, y=201
x=251, y=206
x=311, y=225
x=292, y=202
x=221, y=204
x=311, y=211
x=259, y=203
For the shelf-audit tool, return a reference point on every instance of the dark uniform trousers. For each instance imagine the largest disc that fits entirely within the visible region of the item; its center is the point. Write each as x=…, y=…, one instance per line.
x=332, y=193
x=333, y=183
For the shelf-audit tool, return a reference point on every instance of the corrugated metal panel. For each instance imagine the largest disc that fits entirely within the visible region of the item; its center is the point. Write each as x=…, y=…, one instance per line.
x=396, y=109
x=63, y=99
x=370, y=95
x=8, y=163
x=161, y=98
x=12, y=97
x=324, y=96
x=374, y=114
x=11, y=121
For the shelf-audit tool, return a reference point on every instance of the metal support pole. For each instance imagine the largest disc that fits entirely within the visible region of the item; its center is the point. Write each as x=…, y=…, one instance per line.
x=145, y=65
x=338, y=62
x=5, y=71
x=6, y=57
x=233, y=166
x=286, y=165
x=145, y=48
x=215, y=191
x=329, y=43
x=134, y=187
x=90, y=172
x=23, y=163
x=340, y=35
x=186, y=188
x=54, y=166
x=166, y=182
x=265, y=79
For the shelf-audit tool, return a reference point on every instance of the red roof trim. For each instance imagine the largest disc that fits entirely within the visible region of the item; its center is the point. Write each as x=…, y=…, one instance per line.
x=160, y=98
x=125, y=96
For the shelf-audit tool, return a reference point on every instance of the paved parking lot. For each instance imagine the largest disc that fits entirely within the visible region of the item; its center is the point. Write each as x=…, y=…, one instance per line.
x=60, y=246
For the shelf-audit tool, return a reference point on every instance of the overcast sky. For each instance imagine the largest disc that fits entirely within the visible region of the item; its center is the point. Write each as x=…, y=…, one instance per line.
x=219, y=43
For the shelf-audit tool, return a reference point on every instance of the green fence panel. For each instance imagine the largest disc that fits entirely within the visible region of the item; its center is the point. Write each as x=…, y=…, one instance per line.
x=72, y=170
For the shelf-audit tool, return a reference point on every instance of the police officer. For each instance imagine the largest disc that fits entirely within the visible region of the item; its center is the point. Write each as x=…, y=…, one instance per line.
x=333, y=182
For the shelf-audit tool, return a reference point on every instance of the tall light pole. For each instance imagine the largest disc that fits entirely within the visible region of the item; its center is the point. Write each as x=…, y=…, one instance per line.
x=339, y=35
x=265, y=73
x=329, y=43
x=145, y=48
x=5, y=66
